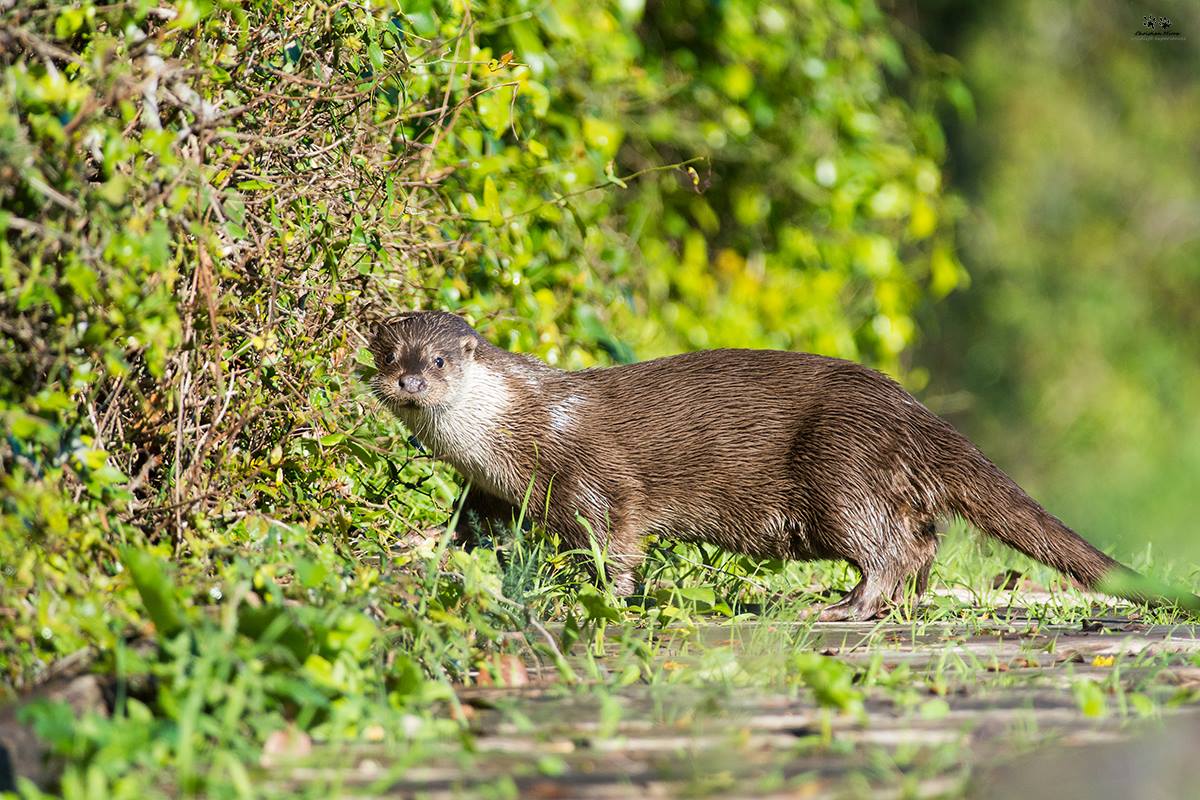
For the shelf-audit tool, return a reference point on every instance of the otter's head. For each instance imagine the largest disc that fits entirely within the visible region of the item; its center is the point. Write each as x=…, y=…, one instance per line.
x=421, y=358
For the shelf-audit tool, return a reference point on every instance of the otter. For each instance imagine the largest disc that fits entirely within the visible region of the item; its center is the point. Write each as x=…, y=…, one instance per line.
x=768, y=453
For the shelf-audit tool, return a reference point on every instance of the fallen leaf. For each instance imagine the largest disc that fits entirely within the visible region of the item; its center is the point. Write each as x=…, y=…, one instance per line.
x=282, y=746
x=463, y=712
x=549, y=790
x=504, y=669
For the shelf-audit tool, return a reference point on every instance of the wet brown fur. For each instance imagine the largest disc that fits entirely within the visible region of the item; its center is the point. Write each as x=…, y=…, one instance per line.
x=773, y=454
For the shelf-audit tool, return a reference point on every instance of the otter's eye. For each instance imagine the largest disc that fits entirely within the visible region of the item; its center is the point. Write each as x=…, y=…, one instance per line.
x=439, y=362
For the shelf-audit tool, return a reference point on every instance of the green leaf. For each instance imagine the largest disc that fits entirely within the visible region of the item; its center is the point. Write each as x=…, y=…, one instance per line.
x=254, y=184
x=376, y=55
x=1090, y=697
x=491, y=202
x=570, y=632
x=610, y=173
x=830, y=680
x=352, y=633
x=275, y=625
x=52, y=720
x=596, y=605
x=157, y=591
x=701, y=595
x=602, y=135
x=320, y=669
x=406, y=677
x=311, y=573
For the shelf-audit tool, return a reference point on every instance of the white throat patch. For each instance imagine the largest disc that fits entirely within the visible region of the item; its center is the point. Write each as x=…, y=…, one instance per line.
x=462, y=430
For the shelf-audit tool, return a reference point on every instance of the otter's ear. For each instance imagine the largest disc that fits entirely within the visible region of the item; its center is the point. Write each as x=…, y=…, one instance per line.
x=383, y=332
x=468, y=345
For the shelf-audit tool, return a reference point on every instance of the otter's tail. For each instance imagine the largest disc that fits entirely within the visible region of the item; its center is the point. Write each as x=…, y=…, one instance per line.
x=994, y=503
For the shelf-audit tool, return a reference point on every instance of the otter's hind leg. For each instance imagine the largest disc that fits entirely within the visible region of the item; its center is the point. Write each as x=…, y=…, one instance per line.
x=867, y=600
x=919, y=583
x=923, y=553
x=887, y=559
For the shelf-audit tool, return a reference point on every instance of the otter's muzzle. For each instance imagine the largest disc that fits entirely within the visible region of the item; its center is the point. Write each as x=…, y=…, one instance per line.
x=412, y=384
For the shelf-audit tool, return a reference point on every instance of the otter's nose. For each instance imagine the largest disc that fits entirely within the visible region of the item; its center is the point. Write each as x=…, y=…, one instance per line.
x=413, y=384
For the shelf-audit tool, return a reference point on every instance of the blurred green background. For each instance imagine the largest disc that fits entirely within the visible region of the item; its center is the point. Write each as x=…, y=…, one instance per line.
x=1073, y=356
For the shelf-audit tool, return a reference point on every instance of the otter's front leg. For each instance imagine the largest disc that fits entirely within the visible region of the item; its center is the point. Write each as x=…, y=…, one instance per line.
x=482, y=516
x=626, y=551
x=598, y=528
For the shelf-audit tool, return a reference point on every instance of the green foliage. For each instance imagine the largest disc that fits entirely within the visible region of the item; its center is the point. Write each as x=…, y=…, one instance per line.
x=820, y=219
x=1081, y=321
